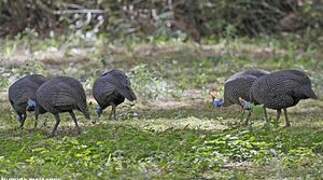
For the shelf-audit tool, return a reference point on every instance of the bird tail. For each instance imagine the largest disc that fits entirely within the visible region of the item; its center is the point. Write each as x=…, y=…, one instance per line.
x=129, y=94
x=308, y=91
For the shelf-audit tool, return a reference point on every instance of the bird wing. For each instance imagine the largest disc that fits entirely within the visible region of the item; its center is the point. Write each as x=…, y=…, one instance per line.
x=279, y=101
x=282, y=86
x=20, y=94
x=64, y=99
x=123, y=86
x=37, y=78
x=238, y=87
x=102, y=89
x=128, y=93
x=121, y=83
x=56, y=94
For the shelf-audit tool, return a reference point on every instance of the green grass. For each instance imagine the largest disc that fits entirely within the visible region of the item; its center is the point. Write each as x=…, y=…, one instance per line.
x=125, y=149
x=171, y=132
x=193, y=142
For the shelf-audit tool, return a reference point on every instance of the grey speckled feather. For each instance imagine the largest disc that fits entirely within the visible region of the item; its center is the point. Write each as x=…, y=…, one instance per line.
x=62, y=94
x=282, y=89
x=121, y=83
x=23, y=90
x=111, y=88
x=239, y=84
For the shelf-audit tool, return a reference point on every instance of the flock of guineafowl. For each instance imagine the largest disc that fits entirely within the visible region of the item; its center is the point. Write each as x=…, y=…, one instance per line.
x=274, y=90
x=65, y=94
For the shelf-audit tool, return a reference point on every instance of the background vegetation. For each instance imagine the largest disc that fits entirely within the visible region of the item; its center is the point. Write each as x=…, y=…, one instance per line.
x=194, y=19
x=174, y=52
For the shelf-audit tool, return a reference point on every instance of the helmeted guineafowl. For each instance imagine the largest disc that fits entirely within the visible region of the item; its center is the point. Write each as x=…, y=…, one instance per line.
x=280, y=90
x=111, y=89
x=237, y=87
x=22, y=95
x=62, y=94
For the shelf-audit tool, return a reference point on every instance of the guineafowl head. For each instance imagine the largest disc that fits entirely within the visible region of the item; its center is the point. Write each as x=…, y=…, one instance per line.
x=98, y=111
x=31, y=105
x=217, y=103
x=246, y=105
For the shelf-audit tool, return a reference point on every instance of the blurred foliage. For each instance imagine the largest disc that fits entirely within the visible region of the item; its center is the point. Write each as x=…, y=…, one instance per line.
x=161, y=18
x=150, y=85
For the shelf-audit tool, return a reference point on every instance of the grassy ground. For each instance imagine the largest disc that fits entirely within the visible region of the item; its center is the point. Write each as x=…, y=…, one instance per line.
x=171, y=132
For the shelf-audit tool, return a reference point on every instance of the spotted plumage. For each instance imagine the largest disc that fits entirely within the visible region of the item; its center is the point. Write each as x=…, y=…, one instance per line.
x=238, y=86
x=281, y=90
x=237, y=90
x=111, y=89
x=62, y=94
x=22, y=95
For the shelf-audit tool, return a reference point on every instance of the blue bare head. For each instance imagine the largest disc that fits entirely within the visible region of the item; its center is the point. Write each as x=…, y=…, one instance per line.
x=246, y=105
x=98, y=111
x=217, y=103
x=31, y=105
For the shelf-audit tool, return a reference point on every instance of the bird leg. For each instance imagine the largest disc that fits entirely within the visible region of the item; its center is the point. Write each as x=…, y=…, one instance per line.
x=241, y=115
x=248, y=118
x=114, y=112
x=266, y=116
x=22, y=122
x=75, y=122
x=56, y=125
x=286, y=118
x=36, y=117
x=278, y=117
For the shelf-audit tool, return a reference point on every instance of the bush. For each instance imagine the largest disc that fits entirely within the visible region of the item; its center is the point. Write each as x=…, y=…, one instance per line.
x=160, y=17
